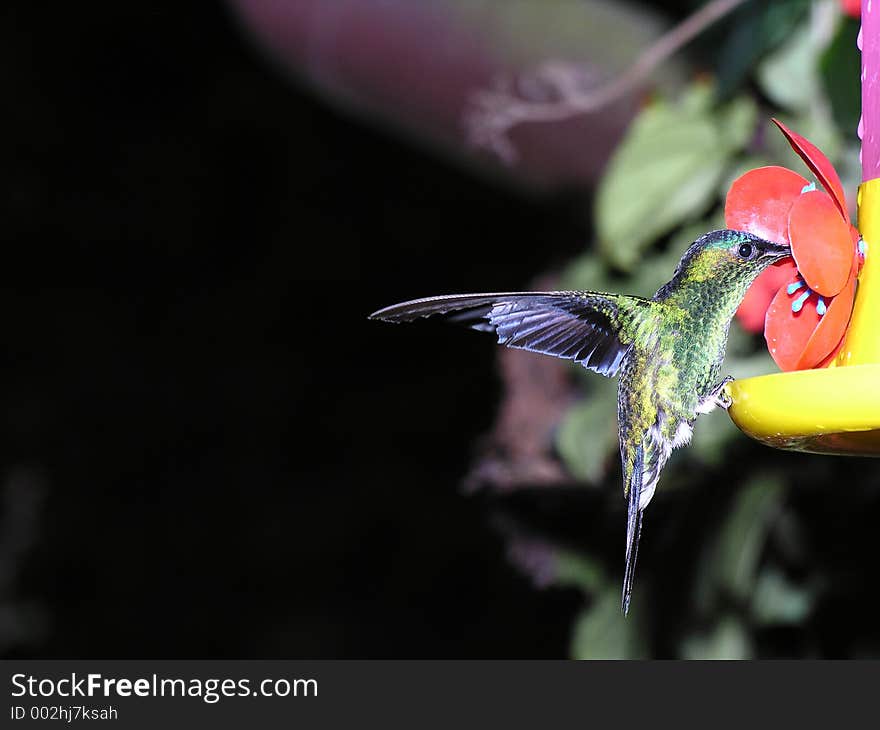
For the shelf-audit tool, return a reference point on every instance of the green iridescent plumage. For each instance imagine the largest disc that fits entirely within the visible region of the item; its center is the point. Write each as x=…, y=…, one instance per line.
x=667, y=350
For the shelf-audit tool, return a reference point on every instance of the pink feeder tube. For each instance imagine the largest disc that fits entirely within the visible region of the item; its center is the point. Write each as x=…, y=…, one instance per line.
x=869, y=124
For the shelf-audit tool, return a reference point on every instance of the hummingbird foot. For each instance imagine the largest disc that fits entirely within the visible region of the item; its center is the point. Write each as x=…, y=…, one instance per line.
x=718, y=398
x=722, y=395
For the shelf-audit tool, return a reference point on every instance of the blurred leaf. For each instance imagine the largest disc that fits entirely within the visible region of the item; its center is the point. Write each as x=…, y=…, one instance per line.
x=664, y=173
x=667, y=171
x=789, y=77
x=728, y=640
x=729, y=566
x=777, y=600
x=698, y=98
x=579, y=570
x=740, y=366
x=840, y=67
x=587, y=435
x=738, y=121
x=751, y=32
x=587, y=271
x=789, y=538
x=602, y=631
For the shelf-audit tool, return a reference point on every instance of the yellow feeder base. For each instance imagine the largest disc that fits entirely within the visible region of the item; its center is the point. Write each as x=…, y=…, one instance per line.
x=827, y=411
x=833, y=410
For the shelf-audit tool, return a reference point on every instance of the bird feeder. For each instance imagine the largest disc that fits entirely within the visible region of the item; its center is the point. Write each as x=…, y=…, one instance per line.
x=834, y=409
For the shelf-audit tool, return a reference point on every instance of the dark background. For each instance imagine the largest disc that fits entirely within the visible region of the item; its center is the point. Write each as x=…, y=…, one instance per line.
x=207, y=450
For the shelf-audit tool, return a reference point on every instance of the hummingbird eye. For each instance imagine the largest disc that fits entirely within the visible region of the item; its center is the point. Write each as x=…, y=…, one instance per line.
x=745, y=250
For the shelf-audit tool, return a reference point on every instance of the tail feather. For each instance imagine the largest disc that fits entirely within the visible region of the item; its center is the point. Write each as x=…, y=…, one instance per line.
x=633, y=528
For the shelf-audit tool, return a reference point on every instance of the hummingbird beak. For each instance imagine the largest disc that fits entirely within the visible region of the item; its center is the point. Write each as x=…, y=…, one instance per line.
x=775, y=251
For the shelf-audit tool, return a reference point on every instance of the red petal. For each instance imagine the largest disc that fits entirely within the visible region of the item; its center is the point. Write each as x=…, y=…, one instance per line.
x=819, y=164
x=753, y=309
x=779, y=273
x=830, y=330
x=821, y=243
x=759, y=201
x=787, y=333
x=834, y=353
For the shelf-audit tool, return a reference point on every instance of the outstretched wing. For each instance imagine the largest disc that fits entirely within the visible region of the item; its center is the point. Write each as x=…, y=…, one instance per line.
x=588, y=327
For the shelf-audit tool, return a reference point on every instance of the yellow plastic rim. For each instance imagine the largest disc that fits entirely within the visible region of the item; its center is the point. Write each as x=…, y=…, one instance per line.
x=834, y=410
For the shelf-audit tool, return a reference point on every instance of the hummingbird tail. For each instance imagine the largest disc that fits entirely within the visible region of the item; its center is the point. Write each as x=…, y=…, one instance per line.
x=633, y=527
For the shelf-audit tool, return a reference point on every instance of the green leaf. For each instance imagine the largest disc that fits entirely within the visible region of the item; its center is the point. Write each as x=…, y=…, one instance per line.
x=741, y=366
x=750, y=33
x=730, y=565
x=789, y=77
x=580, y=571
x=777, y=600
x=697, y=98
x=727, y=640
x=839, y=68
x=666, y=172
x=587, y=435
x=587, y=271
x=602, y=631
x=738, y=120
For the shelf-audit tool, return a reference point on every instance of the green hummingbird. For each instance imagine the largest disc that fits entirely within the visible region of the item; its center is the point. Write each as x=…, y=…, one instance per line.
x=667, y=349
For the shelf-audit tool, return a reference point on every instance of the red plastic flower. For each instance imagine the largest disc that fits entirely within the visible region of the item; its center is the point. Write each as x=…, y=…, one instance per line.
x=808, y=303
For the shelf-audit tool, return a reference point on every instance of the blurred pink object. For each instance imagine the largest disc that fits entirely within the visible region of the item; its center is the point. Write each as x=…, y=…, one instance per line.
x=870, y=90
x=417, y=65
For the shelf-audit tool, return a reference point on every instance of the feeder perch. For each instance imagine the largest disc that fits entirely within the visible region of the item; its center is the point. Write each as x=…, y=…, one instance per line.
x=836, y=409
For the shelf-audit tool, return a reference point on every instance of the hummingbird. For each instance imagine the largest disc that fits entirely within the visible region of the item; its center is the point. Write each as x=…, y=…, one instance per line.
x=667, y=350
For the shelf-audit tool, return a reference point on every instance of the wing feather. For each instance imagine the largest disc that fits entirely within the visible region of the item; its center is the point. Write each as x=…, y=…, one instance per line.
x=587, y=327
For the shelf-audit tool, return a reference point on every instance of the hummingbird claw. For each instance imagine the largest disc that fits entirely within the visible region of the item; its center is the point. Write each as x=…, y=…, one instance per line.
x=719, y=396
x=722, y=394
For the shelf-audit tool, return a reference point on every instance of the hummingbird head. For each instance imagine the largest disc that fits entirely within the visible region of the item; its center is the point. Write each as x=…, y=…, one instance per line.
x=726, y=259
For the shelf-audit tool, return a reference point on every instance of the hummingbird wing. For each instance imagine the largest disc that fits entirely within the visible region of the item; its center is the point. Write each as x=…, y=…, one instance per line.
x=587, y=327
